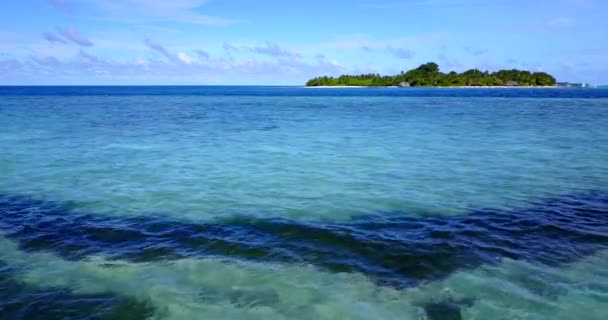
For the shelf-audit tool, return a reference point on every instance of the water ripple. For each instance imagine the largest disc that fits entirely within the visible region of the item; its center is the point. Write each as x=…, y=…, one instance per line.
x=20, y=301
x=396, y=249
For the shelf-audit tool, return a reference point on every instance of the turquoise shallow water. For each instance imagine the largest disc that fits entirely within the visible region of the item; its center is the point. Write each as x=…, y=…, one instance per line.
x=268, y=202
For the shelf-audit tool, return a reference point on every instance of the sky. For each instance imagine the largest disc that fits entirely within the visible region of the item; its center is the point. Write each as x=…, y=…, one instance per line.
x=286, y=42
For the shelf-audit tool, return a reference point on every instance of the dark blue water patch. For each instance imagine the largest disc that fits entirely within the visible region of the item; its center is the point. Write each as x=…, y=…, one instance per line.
x=443, y=311
x=21, y=301
x=295, y=91
x=394, y=249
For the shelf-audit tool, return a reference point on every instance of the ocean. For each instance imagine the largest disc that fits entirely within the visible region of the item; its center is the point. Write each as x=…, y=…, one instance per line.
x=222, y=202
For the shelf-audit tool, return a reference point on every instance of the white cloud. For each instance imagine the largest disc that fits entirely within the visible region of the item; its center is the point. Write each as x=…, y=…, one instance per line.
x=560, y=22
x=474, y=51
x=61, y=5
x=142, y=63
x=183, y=11
x=584, y=4
x=74, y=36
x=162, y=50
x=202, y=54
x=69, y=34
x=424, y=4
x=86, y=67
x=400, y=53
x=368, y=43
x=51, y=37
x=274, y=50
x=180, y=57
x=10, y=65
x=185, y=58
x=89, y=59
x=47, y=61
x=267, y=49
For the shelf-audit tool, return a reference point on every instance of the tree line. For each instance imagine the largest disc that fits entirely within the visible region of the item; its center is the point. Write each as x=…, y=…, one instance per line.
x=429, y=74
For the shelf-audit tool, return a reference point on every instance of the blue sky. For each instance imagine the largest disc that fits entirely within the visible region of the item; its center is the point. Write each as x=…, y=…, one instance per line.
x=289, y=41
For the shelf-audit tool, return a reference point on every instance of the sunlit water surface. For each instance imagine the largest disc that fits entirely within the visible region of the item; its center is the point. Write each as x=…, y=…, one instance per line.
x=295, y=203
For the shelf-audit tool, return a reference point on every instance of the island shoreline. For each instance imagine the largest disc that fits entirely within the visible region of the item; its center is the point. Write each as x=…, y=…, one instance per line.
x=429, y=75
x=435, y=87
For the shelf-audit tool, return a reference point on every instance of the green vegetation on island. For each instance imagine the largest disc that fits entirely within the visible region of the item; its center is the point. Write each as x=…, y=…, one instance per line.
x=429, y=75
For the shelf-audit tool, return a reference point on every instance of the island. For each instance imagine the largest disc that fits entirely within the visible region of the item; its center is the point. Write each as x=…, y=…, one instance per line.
x=429, y=75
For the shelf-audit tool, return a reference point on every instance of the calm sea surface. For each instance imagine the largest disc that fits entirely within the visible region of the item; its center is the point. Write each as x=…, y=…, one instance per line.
x=296, y=203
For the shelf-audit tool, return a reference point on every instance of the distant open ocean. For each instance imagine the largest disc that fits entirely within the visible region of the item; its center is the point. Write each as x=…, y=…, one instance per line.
x=289, y=203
